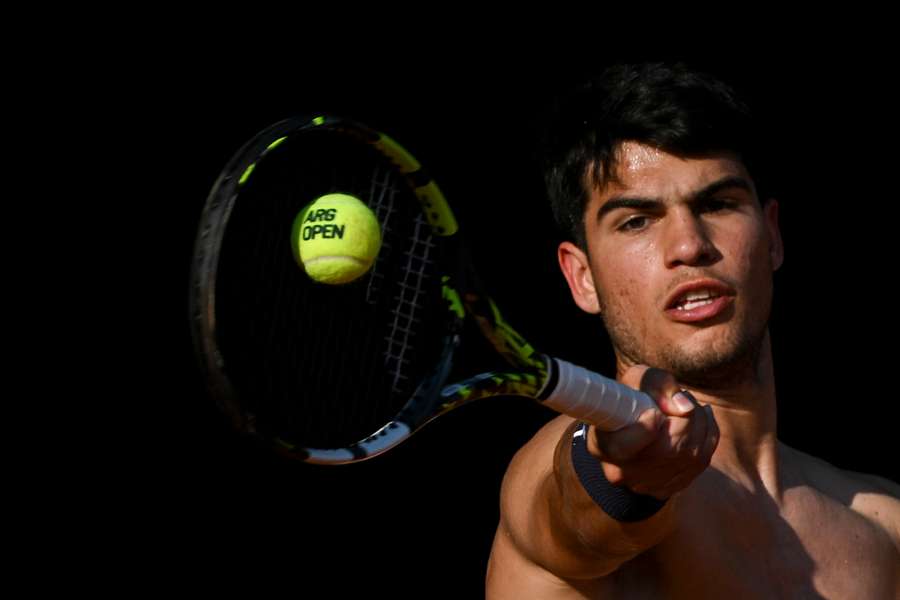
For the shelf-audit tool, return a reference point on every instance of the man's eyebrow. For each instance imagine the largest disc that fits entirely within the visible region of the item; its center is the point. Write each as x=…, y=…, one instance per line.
x=616, y=202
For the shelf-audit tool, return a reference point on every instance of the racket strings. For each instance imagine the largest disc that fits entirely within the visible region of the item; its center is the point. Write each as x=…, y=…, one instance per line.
x=318, y=365
x=408, y=305
x=381, y=200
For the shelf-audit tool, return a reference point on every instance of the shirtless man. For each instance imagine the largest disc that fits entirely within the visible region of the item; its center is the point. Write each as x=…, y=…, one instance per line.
x=656, y=177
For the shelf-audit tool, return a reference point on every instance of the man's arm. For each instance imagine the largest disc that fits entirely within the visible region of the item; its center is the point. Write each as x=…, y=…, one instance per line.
x=882, y=505
x=550, y=520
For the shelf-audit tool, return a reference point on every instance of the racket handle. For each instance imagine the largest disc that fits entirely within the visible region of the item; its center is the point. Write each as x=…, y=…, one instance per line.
x=603, y=402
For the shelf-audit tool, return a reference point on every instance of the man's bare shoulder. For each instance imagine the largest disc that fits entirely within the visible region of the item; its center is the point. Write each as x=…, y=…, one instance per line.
x=875, y=498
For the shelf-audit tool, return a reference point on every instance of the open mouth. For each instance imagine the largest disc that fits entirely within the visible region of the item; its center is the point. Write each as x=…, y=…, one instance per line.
x=699, y=300
x=696, y=299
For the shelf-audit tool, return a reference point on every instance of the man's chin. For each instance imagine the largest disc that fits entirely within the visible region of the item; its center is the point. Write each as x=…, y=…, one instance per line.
x=715, y=369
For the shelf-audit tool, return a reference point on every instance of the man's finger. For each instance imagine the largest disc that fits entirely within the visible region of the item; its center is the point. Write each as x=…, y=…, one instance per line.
x=662, y=387
x=681, y=403
x=621, y=445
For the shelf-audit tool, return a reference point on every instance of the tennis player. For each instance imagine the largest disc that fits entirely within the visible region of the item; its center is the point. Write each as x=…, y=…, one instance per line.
x=654, y=173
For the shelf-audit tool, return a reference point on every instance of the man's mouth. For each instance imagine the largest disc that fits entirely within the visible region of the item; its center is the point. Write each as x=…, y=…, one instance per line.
x=699, y=300
x=696, y=299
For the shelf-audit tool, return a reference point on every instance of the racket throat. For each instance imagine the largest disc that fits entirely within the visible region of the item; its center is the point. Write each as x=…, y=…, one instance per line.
x=552, y=378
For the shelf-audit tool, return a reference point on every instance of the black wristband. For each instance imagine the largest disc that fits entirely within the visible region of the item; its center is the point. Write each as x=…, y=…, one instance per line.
x=618, y=502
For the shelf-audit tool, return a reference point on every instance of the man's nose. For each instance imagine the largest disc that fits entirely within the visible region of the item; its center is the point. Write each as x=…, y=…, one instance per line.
x=687, y=241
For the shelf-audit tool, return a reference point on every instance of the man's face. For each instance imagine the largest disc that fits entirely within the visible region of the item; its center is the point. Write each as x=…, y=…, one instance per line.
x=666, y=223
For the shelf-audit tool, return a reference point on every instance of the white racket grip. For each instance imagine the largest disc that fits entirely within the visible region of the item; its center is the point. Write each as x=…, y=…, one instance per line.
x=589, y=396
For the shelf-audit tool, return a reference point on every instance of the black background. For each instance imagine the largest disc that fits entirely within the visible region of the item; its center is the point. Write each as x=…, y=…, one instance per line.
x=222, y=514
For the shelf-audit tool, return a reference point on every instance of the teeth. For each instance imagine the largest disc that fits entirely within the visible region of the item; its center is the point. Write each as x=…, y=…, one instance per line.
x=698, y=295
x=693, y=305
x=696, y=298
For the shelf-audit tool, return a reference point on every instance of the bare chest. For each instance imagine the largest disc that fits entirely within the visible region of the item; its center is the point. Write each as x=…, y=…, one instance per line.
x=816, y=548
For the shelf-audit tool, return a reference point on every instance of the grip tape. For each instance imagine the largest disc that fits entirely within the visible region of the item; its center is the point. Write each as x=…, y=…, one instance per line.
x=588, y=396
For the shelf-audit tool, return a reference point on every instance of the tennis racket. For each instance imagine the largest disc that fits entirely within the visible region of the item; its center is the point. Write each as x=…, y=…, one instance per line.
x=333, y=374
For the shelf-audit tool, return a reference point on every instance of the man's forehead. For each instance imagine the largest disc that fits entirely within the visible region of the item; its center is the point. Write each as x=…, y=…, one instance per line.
x=641, y=168
x=634, y=157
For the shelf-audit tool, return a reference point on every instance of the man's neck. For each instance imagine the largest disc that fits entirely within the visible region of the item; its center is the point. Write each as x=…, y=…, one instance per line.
x=746, y=414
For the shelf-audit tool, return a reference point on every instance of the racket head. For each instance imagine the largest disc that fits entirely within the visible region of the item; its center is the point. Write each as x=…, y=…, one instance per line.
x=323, y=373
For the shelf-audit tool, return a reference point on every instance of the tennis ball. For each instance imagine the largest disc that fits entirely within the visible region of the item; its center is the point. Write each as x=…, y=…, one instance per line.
x=335, y=238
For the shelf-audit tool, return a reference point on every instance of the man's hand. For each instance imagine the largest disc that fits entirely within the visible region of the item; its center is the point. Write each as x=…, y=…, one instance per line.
x=666, y=449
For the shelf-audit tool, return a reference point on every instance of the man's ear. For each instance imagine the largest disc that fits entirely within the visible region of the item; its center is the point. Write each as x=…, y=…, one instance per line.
x=577, y=270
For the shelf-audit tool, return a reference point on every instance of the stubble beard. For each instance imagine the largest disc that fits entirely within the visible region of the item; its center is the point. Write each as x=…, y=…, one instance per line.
x=732, y=358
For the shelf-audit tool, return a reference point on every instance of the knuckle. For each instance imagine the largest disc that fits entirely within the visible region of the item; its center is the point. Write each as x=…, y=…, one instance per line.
x=608, y=447
x=681, y=445
x=701, y=431
x=613, y=474
x=714, y=429
x=640, y=488
x=634, y=375
x=687, y=451
x=627, y=443
x=701, y=463
x=614, y=452
x=696, y=452
x=659, y=382
x=679, y=427
x=704, y=457
x=710, y=447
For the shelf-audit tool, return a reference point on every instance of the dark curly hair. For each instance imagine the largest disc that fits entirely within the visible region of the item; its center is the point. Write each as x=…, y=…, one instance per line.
x=672, y=107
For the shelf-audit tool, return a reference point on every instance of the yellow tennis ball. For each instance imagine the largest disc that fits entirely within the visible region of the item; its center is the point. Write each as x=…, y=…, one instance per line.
x=336, y=238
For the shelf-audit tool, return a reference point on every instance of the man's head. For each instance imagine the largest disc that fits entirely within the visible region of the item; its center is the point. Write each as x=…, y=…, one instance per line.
x=670, y=107
x=656, y=188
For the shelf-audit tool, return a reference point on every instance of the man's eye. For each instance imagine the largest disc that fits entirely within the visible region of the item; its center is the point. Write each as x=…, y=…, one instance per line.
x=633, y=224
x=716, y=204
